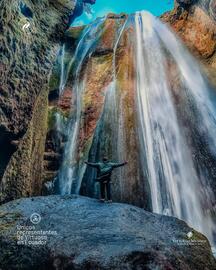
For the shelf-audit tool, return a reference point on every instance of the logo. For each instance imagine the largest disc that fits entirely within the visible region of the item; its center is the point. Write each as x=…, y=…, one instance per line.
x=190, y=235
x=26, y=26
x=35, y=218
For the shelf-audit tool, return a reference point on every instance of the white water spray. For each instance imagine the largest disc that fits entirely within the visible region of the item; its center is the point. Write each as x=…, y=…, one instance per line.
x=62, y=78
x=174, y=184
x=68, y=176
x=176, y=187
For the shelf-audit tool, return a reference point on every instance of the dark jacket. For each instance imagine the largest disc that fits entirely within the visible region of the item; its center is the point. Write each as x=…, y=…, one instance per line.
x=104, y=169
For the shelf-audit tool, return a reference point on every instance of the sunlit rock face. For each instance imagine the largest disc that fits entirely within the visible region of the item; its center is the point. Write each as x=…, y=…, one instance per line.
x=109, y=125
x=209, y=6
x=111, y=59
x=30, y=35
x=195, y=24
x=195, y=27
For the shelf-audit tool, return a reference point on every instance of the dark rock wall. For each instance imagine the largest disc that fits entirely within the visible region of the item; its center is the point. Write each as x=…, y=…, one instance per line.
x=27, y=53
x=26, y=58
x=23, y=176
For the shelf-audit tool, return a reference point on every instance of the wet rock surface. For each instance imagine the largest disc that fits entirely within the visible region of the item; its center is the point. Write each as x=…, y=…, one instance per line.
x=113, y=56
x=31, y=32
x=195, y=28
x=28, y=48
x=30, y=35
x=195, y=24
x=93, y=235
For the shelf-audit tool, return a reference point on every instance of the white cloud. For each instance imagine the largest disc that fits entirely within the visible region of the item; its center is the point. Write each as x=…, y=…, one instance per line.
x=103, y=12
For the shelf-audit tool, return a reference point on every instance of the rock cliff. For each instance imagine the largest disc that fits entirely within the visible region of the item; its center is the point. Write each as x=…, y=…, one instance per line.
x=27, y=54
x=82, y=233
x=195, y=23
x=112, y=55
x=31, y=32
x=97, y=74
x=207, y=5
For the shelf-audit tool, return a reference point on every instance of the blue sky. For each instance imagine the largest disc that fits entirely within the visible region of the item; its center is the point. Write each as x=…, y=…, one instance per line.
x=102, y=7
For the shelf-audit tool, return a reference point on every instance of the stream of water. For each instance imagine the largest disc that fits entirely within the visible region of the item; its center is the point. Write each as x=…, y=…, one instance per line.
x=179, y=185
x=174, y=183
x=69, y=171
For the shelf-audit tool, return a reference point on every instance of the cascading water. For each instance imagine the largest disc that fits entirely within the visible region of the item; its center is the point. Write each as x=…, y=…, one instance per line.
x=69, y=171
x=179, y=186
x=62, y=77
x=168, y=162
x=101, y=142
x=106, y=138
x=59, y=119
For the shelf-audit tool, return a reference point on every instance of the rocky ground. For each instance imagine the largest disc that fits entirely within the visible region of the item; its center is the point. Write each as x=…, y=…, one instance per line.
x=92, y=235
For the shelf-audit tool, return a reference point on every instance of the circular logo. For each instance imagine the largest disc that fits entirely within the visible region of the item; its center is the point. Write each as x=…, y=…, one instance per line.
x=35, y=218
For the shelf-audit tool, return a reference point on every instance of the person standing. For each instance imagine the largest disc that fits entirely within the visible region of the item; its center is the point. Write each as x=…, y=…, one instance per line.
x=104, y=173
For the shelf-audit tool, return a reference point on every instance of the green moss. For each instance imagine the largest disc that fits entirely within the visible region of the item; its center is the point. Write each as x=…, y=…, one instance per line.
x=75, y=32
x=23, y=176
x=52, y=117
x=86, y=149
x=8, y=220
x=54, y=81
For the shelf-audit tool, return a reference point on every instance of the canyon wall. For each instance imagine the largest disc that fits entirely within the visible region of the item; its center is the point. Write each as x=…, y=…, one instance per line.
x=112, y=58
x=195, y=23
x=97, y=73
x=27, y=55
x=31, y=32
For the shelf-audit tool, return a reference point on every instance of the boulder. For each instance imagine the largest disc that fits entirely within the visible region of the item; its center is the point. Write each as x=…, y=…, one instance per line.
x=81, y=233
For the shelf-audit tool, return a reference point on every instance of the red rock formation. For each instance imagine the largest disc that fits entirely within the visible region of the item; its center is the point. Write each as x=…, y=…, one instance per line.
x=197, y=29
x=98, y=72
x=64, y=102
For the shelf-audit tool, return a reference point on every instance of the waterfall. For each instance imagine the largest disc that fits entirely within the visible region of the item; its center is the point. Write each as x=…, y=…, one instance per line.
x=168, y=162
x=68, y=176
x=62, y=77
x=175, y=119
x=107, y=134
x=103, y=144
x=59, y=119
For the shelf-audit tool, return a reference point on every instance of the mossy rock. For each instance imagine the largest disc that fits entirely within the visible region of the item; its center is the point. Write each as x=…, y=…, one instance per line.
x=8, y=220
x=53, y=111
x=74, y=32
